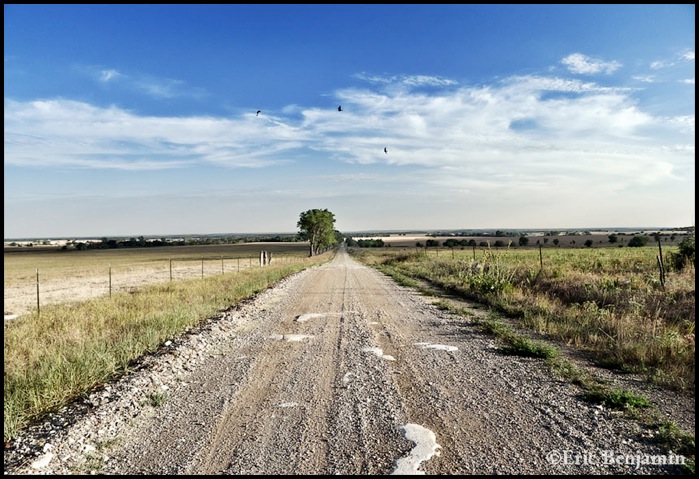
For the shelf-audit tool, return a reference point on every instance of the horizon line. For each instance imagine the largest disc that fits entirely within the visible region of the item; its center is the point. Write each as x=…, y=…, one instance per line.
x=389, y=231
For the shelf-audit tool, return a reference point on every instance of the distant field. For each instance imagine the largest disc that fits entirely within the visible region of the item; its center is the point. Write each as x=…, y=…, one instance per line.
x=66, y=276
x=599, y=240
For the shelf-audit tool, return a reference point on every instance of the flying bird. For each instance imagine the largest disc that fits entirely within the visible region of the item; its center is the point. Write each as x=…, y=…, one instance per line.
x=257, y=113
x=339, y=109
x=386, y=151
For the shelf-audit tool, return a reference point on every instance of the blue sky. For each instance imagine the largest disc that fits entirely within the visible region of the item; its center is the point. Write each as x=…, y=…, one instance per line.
x=141, y=119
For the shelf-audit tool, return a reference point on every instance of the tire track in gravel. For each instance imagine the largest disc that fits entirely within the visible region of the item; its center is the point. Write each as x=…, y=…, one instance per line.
x=301, y=406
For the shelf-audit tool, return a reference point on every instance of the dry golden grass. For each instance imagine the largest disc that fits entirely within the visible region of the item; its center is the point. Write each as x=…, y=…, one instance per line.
x=54, y=356
x=71, y=276
x=609, y=301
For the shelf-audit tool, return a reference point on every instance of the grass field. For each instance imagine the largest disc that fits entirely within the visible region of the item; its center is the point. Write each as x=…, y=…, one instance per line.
x=608, y=301
x=72, y=275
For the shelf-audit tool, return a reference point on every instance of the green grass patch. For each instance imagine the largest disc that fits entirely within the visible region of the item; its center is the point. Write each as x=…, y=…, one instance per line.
x=617, y=399
x=517, y=344
x=522, y=346
x=672, y=438
x=156, y=398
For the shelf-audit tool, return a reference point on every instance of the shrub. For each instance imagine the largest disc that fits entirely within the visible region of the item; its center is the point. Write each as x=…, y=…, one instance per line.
x=685, y=254
x=638, y=241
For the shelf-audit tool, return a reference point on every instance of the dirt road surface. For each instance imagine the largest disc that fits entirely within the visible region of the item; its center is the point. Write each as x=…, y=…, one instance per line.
x=338, y=370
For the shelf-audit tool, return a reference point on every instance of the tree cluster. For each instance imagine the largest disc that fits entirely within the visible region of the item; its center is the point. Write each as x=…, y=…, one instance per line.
x=318, y=228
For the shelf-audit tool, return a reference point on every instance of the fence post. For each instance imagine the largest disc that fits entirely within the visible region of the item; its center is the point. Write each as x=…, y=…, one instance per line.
x=171, y=268
x=662, y=272
x=540, y=257
x=110, y=280
x=202, y=268
x=38, y=309
x=222, y=264
x=238, y=265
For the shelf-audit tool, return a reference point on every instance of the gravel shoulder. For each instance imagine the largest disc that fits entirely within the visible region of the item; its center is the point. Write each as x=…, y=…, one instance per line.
x=338, y=370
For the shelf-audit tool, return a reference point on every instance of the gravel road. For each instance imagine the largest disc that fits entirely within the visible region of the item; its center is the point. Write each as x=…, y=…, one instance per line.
x=338, y=370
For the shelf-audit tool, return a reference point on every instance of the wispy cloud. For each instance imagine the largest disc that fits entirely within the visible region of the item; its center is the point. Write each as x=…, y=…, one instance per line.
x=152, y=86
x=525, y=130
x=407, y=81
x=644, y=78
x=109, y=75
x=164, y=88
x=64, y=133
x=584, y=65
x=682, y=57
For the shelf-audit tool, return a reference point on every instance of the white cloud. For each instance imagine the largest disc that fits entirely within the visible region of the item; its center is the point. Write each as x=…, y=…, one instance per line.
x=76, y=134
x=531, y=133
x=582, y=64
x=407, y=80
x=108, y=75
x=657, y=65
x=644, y=78
x=160, y=88
x=685, y=56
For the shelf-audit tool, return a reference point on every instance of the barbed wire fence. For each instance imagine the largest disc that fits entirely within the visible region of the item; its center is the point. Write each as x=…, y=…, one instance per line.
x=28, y=293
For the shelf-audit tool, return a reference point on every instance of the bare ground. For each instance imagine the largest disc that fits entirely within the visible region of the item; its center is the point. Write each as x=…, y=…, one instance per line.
x=21, y=299
x=331, y=372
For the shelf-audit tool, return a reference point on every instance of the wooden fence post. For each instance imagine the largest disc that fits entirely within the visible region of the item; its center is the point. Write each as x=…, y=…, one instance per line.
x=662, y=272
x=38, y=309
x=171, y=268
x=110, y=280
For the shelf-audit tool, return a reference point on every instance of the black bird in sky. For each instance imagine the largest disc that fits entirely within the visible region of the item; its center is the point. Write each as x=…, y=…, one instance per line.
x=257, y=113
x=339, y=109
x=386, y=151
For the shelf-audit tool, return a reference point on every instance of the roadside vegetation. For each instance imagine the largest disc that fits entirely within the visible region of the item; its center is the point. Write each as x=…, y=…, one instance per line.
x=611, y=302
x=61, y=354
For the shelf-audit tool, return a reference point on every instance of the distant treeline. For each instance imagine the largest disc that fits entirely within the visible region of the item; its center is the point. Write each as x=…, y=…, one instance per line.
x=365, y=243
x=142, y=242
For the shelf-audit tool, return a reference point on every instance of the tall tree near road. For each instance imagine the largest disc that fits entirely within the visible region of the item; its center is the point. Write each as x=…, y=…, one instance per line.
x=318, y=227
